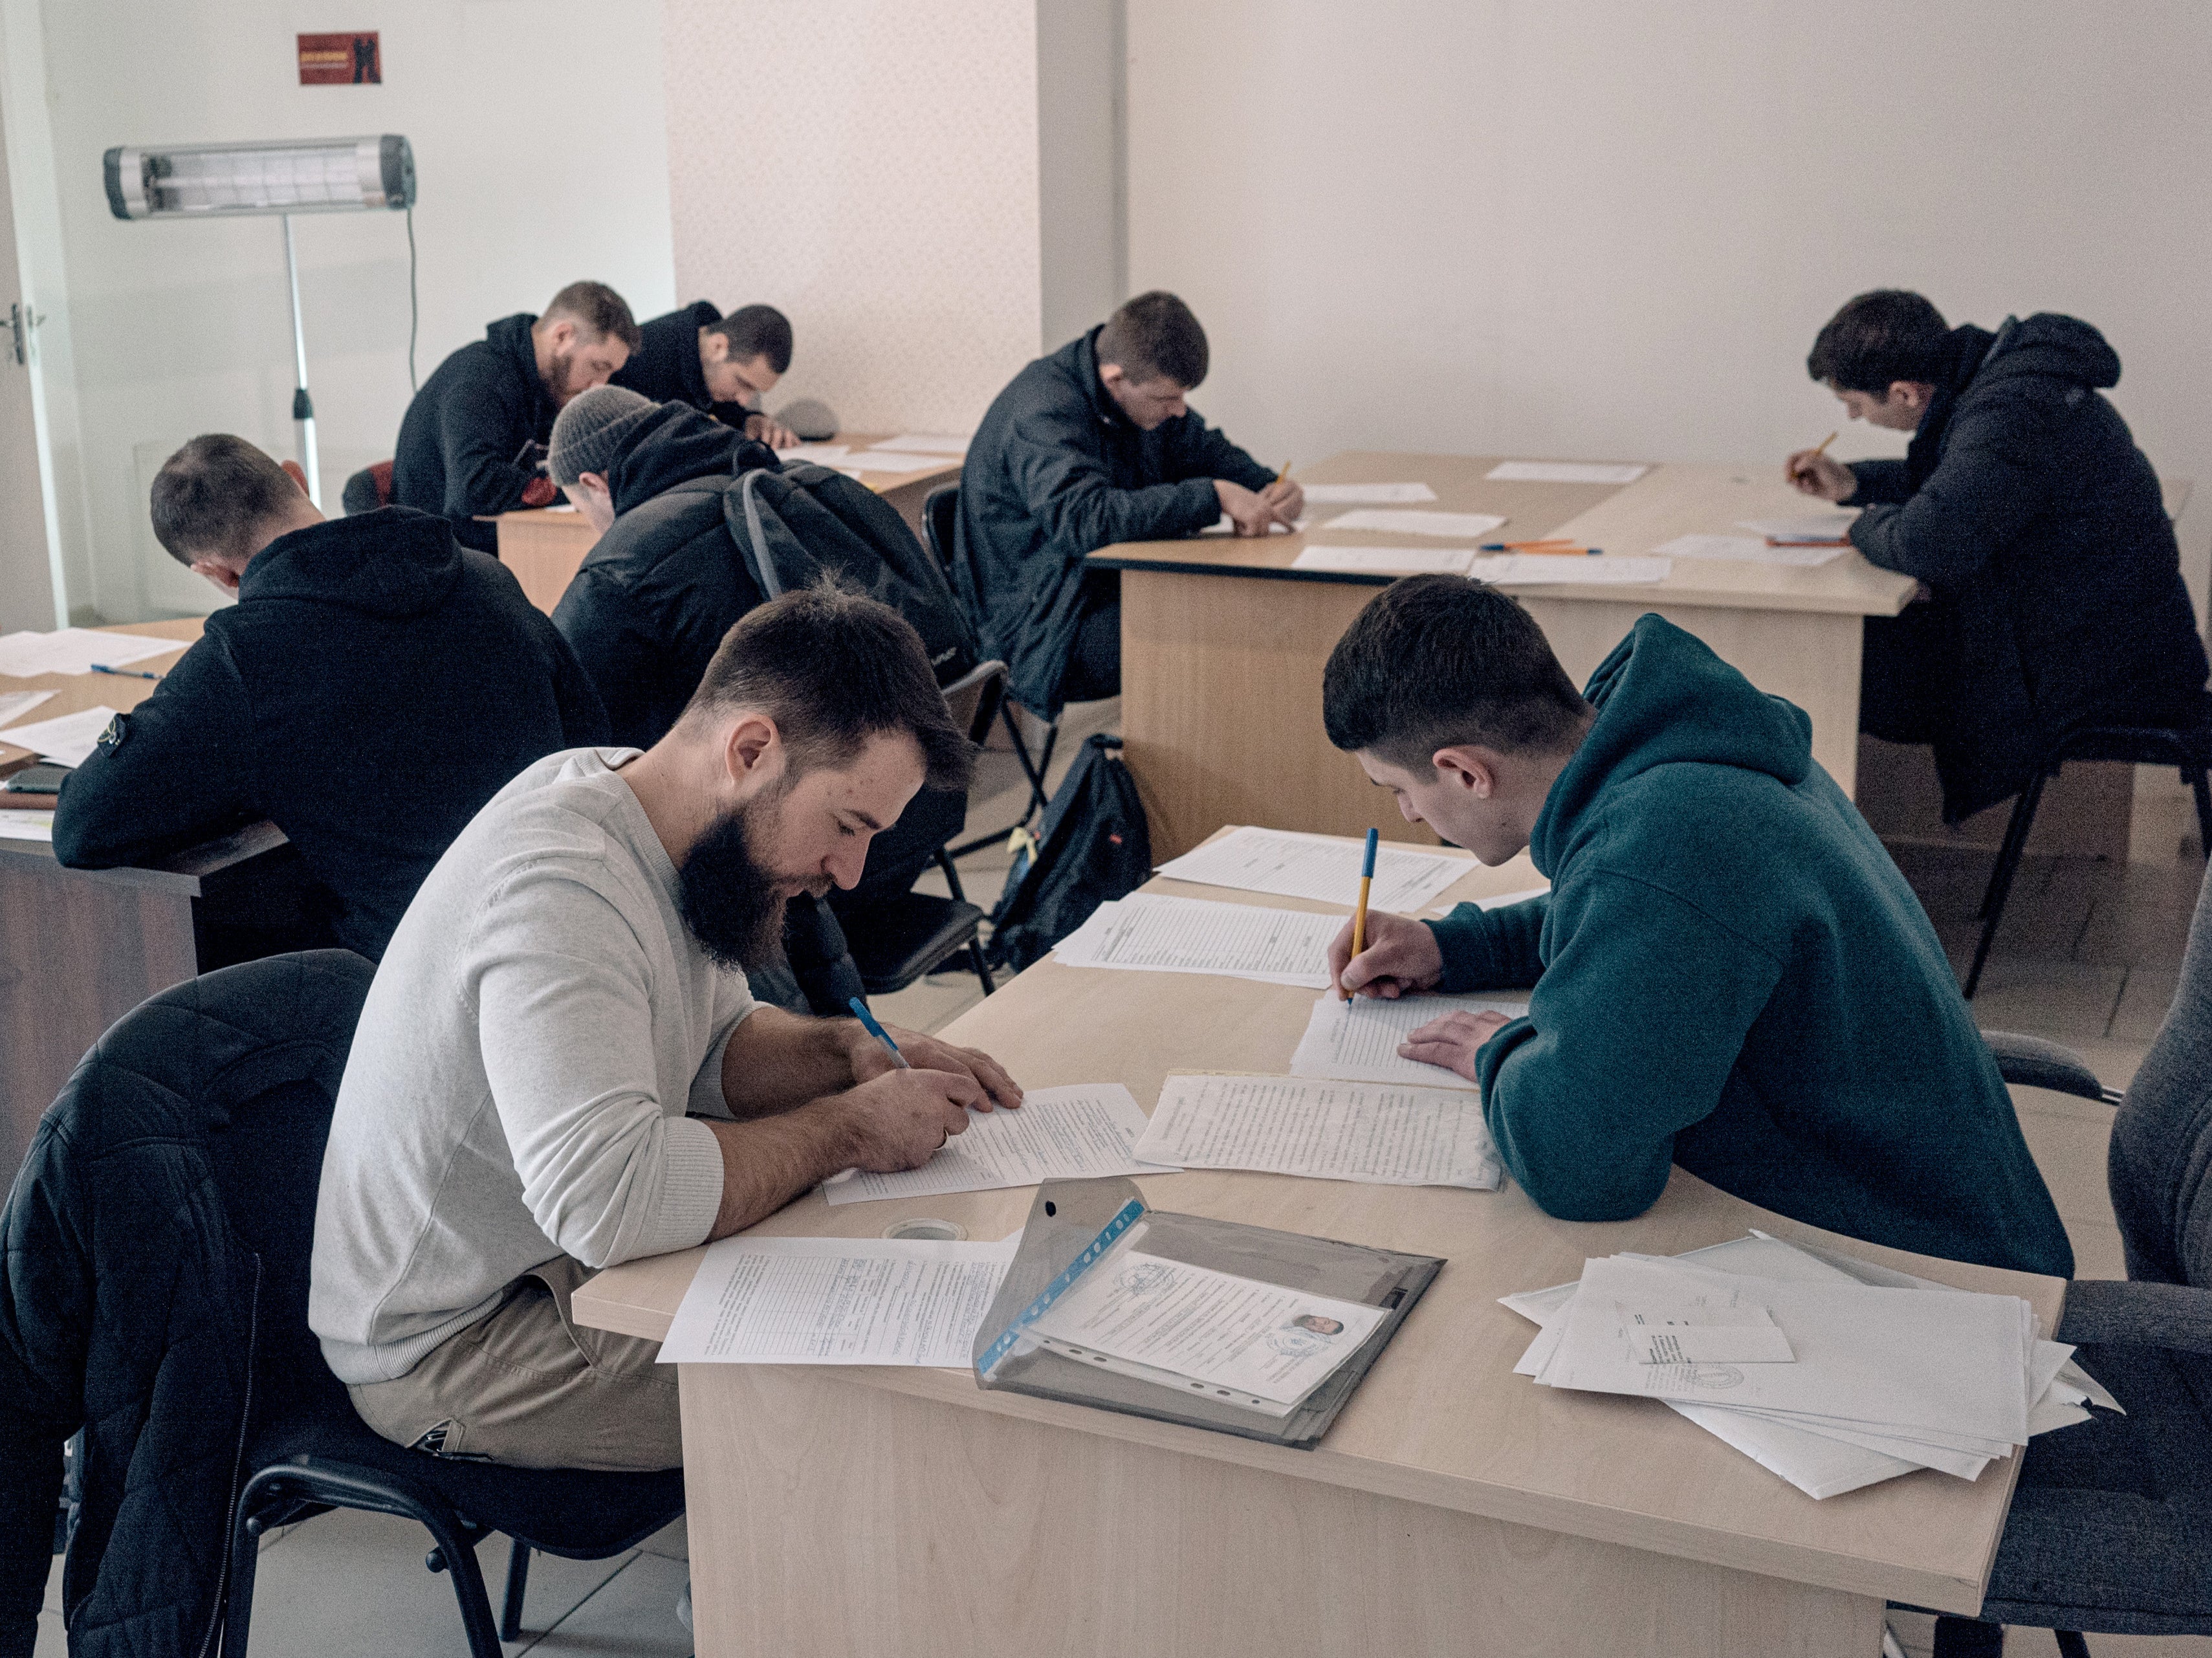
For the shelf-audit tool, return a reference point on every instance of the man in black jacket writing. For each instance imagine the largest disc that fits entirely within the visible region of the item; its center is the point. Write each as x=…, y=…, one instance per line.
x=373, y=687
x=1094, y=445
x=471, y=441
x=723, y=365
x=2035, y=521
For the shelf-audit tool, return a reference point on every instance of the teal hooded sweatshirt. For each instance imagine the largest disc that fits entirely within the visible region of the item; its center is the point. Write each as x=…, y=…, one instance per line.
x=1731, y=974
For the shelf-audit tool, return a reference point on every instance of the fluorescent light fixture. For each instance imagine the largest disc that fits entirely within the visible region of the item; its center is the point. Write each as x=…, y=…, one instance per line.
x=280, y=176
x=283, y=175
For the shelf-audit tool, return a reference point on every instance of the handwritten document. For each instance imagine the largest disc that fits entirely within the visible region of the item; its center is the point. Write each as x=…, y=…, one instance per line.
x=1457, y=526
x=1150, y=934
x=1357, y=1041
x=837, y=1301
x=1057, y=1134
x=1377, y=1134
x=1320, y=867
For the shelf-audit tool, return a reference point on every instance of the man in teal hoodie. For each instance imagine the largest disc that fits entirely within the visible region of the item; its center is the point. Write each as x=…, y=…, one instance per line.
x=1729, y=972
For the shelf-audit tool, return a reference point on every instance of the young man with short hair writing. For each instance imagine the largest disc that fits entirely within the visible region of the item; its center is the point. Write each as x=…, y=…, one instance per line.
x=1731, y=974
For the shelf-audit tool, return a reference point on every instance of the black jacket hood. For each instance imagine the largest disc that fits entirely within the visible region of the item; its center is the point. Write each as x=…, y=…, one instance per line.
x=392, y=562
x=2046, y=345
x=674, y=447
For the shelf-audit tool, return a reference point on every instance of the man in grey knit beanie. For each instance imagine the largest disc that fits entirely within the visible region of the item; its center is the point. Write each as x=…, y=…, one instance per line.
x=587, y=435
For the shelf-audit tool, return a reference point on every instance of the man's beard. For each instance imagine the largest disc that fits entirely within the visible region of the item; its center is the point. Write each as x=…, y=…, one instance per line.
x=560, y=379
x=732, y=902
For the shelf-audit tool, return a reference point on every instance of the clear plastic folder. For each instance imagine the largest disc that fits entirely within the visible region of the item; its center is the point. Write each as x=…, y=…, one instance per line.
x=1075, y=1226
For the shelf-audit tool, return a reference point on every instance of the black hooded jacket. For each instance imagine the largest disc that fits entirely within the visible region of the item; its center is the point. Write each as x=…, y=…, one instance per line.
x=666, y=367
x=1057, y=471
x=457, y=443
x=2037, y=523
x=374, y=686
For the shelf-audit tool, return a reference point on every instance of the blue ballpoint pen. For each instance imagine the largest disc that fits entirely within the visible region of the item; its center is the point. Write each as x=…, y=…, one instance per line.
x=868, y=1023
x=124, y=673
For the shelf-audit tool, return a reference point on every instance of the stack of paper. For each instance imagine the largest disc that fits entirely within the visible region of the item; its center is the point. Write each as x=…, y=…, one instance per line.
x=1830, y=1372
x=1196, y=935
x=1292, y=865
x=18, y=824
x=1750, y=550
x=1372, y=1133
x=1555, y=569
x=66, y=739
x=1056, y=1134
x=1456, y=526
x=1367, y=494
x=75, y=650
x=1358, y=1041
x=1812, y=529
x=1562, y=472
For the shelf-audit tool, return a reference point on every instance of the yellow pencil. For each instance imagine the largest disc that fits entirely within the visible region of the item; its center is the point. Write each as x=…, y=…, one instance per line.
x=1829, y=438
x=1359, y=913
x=1281, y=475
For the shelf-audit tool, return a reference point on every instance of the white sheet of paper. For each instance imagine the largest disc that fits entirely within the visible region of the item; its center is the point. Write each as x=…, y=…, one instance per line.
x=1057, y=1134
x=1225, y=525
x=1357, y=1041
x=1808, y=527
x=1374, y=1133
x=821, y=454
x=1457, y=526
x=1199, y=935
x=925, y=443
x=1562, y=472
x=1391, y=561
x=25, y=825
x=894, y=460
x=1367, y=494
x=837, y=1301
x=1209, y=1327
x=67, y=739
x=75, y=650
x=1318, y=866
x=1746, y=549
x=1496, y=900
x=16, y=703
x=1705, y=1334
x=1551, y=569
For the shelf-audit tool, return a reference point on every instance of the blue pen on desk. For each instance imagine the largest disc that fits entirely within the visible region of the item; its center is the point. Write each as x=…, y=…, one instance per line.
x=124, y=673
x=1563, y=549
x=868, y=1023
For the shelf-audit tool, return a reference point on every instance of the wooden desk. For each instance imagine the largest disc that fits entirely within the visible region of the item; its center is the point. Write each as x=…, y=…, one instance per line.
x=79, y=948
x=1223, y=642
x=545, y=546
x=1453, y=1508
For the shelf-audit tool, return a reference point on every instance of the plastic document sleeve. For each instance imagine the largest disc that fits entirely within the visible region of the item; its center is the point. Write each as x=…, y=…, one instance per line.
x=1075, y=1225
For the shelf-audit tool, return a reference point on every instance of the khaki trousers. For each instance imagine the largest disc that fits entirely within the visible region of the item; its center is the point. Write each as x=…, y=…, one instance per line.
x=525, y=1385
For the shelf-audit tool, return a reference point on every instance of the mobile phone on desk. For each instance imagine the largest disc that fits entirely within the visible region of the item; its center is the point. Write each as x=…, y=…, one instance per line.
x=37, y=780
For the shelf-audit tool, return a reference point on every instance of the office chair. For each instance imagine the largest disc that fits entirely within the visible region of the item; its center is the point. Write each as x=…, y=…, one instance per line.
x=896, y=940
x=368, y=490
x=2111, y=1528
x=2188, y=748
x=940, y=520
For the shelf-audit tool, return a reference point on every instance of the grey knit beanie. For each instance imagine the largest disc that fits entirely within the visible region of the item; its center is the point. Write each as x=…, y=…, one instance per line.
x=592, y=429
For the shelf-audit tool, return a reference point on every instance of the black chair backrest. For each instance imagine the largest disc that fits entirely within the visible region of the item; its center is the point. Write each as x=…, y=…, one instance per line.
x=975, y=698
x=2162, y=1133
x=940, y=524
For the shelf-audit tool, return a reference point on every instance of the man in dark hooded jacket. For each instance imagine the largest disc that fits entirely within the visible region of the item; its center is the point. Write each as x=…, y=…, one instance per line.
x=1092, y=446
x=2037, y=526
x=722, y=365
x=471, y=440
x=373, y=687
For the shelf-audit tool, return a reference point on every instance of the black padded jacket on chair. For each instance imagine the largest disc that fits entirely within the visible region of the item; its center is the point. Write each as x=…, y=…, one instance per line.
x=135, y=1274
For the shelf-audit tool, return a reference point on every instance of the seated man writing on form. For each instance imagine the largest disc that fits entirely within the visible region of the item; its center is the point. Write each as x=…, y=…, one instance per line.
x=466, y=442
x=1729, y=972
x=373, y=686
x=2037, y=524
x=1093, y=445
x=720, y=365
x=559, y=1069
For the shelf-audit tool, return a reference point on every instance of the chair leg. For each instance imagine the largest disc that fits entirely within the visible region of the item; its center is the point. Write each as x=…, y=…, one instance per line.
x=2071, y=1643
x=518, y=1584
x=951, y=875
x=980, y=963
x=2199, y=786
x=453, y=1554
x=2001, y=878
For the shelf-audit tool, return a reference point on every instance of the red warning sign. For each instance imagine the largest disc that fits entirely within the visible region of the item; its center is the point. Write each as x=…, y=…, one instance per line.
x=337, y=60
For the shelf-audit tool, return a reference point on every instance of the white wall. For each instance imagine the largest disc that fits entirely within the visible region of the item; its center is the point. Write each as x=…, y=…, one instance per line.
x=1609, y=229
x=871, y=167
x=540, y=143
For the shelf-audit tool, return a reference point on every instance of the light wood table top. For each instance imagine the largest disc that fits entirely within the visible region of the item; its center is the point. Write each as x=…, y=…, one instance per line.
x=74, y=692
x=1441, y=1420
x=1629, y=519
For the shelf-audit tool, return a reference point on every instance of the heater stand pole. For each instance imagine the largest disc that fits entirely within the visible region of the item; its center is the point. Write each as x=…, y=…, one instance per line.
x=303, y=407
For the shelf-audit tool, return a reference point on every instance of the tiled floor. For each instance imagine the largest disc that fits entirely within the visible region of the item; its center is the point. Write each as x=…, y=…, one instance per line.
x=2089, y=955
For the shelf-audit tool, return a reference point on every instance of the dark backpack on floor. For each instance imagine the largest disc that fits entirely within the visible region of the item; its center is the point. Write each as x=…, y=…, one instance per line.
x=1092, y=846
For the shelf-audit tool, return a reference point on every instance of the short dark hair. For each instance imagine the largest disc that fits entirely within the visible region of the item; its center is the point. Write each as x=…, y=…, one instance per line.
x=1154, y=335
x=757, y=331
x=1437, y=660
x=833, y=668
x=213, y=496
x=1878, y=339
x=598, y=310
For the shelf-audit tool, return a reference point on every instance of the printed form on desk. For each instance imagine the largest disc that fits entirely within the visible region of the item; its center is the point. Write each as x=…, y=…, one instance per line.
x=1357, y=1041
x=1557, y=569
x=1374, y=1133
x=75, y=650
x=1318, y=866
x=1072, y=1133
x=67, y=739
x=837, y=1301
x=16, y=703
x=1386, y=561
x=1562, y=472
x=1147, y=933
x=1367, y=494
